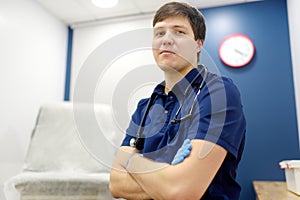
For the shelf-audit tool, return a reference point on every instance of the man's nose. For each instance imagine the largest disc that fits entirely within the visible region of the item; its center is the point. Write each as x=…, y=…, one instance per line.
x=168, y=38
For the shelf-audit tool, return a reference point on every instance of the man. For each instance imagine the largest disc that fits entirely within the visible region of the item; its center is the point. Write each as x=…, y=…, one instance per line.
x=192, y=109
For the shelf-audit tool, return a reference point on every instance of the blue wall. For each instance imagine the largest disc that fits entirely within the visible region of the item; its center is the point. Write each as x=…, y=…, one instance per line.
x=68, y=65
x=266, y=85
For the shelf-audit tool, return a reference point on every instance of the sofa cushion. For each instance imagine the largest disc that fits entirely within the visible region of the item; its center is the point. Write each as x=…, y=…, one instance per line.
x=65, y=139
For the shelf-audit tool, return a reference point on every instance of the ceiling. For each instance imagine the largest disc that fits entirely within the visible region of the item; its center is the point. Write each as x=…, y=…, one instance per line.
x=77, y=12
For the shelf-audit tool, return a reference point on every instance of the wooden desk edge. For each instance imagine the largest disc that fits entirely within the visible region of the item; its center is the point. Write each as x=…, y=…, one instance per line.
x=273, y=190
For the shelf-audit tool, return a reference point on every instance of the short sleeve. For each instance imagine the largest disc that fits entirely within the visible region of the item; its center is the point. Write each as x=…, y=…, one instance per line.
x=135, y=121
x=219, y=116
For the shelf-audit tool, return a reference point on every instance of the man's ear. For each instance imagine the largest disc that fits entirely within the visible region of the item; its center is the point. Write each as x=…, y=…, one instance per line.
x=199, y=44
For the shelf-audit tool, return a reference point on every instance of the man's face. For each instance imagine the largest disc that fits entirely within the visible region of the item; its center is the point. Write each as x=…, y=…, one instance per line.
x=174, y=46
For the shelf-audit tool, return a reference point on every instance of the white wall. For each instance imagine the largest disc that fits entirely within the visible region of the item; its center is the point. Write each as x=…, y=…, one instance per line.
x=87, y=39
x=33, y=46
x=294, y=28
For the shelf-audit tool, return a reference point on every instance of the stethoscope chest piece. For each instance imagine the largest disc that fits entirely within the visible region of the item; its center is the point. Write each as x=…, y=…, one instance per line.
x=132, y=142
x=137, y=143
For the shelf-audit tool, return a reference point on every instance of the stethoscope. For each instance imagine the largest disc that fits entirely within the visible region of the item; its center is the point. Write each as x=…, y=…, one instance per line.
x=138, y=143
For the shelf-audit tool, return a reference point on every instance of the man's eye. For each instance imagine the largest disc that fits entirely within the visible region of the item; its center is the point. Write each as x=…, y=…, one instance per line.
x=179, y=32
x=160, y=33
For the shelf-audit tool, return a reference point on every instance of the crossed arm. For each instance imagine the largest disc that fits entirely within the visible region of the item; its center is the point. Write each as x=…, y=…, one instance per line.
x=136, y=177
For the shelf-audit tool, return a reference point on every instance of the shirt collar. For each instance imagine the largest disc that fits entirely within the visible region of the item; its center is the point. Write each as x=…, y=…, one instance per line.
x=160, y=89
x=182, y=85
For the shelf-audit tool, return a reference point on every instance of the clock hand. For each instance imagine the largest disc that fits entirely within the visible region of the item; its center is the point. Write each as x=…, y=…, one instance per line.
x=239, y=52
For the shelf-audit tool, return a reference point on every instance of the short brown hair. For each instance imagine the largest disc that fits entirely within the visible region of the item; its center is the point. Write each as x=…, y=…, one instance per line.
x=194, y=16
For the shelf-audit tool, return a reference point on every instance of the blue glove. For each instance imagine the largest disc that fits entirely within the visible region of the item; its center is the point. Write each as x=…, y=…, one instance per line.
x=182, y=152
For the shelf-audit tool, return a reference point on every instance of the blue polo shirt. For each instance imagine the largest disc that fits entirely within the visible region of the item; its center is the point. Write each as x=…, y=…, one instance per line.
x=217, y=116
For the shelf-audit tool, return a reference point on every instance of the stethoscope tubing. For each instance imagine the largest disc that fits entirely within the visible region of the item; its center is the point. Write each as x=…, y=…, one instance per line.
x=140, y=140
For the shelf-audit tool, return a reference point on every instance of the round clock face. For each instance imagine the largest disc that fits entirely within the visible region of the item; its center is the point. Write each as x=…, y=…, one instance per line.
x=236, y=50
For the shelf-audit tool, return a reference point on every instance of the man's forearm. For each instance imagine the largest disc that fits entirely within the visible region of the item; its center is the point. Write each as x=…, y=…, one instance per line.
x=122, y=185
x=145, y=172
x=187, y=180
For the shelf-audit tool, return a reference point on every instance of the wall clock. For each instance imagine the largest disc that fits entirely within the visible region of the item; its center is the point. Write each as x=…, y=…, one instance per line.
x=236, y=50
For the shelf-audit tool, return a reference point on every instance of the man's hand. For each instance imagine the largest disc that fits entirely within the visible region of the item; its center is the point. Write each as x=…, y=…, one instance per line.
x=182, y=152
